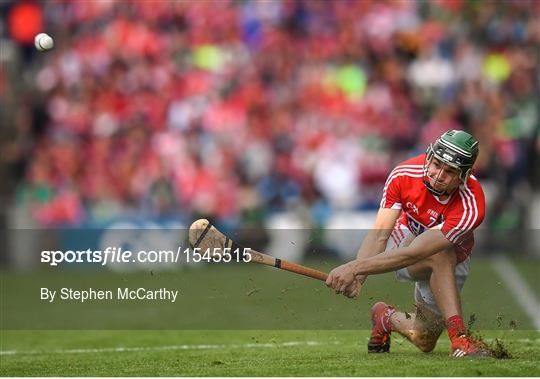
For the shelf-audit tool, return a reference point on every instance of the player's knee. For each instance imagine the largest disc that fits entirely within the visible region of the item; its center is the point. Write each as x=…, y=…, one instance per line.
x=424, y=341
x=426, y=347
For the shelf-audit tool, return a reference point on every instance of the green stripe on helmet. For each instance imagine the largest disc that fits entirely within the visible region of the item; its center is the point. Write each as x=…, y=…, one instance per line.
x=456, y=148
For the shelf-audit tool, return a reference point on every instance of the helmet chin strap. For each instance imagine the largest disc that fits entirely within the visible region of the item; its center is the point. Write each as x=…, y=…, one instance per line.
x=430, y=188
x=438, y=193
x=434, y=191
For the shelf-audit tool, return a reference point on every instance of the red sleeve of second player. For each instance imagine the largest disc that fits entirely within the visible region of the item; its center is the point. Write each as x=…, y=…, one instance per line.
x=391, y=197
x=466, y=215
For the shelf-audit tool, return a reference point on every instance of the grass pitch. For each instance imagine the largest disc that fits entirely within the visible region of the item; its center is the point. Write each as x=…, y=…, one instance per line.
x=248, y=297
x=247, y=353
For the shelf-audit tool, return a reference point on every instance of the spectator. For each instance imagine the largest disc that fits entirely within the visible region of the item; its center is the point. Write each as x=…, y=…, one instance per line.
x=161, y=107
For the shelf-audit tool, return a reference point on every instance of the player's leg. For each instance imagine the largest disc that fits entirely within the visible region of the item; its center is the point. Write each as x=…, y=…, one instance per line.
x=444, y=298
x=440, y=271
x=440, y=294
x=422, y=327
x=437, y=291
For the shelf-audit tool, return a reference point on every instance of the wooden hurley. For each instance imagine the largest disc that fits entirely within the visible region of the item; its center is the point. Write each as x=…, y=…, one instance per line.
x=203, y=235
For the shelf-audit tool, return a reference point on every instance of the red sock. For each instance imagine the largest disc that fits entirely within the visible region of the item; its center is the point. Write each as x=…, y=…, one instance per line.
x=455, y=326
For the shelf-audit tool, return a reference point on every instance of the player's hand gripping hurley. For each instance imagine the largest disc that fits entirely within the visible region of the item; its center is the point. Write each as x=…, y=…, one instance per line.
x=204, y=235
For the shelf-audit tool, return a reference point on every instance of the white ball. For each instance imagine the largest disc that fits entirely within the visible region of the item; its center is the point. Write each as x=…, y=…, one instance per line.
x=43, y=42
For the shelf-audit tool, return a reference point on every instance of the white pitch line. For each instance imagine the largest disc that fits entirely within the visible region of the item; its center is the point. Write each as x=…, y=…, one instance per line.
x=523, y=294
x=162, y=348
x=197, y=347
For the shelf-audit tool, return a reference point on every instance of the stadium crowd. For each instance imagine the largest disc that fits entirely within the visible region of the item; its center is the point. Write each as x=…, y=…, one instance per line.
x=238, y=109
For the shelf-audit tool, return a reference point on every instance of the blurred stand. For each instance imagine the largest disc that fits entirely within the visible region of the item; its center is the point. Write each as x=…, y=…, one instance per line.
x=276, y=113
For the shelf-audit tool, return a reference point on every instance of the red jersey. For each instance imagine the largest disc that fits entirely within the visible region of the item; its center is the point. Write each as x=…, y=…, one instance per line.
x=456, y=216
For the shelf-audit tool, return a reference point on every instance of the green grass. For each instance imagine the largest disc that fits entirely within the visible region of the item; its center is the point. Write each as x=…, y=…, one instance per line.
x=247, y=353
x=237, y=302
x=244, y=296
x=529, y=272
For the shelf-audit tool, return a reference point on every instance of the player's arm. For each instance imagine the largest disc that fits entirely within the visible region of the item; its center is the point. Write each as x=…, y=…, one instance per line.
x=390, y=210
x=375, y=241
x=428, y=243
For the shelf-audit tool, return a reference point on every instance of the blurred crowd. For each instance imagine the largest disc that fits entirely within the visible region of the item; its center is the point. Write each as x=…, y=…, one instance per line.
x=239, y=109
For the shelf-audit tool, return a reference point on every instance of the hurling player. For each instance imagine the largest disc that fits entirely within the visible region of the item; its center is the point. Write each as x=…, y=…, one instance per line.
x=424, y=231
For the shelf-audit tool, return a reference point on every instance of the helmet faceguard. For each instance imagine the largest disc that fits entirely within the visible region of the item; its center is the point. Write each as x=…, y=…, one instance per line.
x=455, y=148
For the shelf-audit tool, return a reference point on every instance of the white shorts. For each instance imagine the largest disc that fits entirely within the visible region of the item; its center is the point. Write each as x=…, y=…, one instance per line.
x=422, y=290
